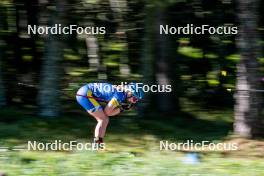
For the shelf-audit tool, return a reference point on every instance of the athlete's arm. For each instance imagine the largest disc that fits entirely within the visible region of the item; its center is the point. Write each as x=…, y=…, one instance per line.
x=115, y=112
x=112, y=108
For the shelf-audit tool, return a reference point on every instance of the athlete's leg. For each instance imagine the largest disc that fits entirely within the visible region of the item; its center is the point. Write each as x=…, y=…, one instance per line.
x=94, y=109
x=102, y=122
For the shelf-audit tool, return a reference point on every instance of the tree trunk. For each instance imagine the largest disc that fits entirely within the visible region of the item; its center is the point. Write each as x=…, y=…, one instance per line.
x=2, y=89
x=32, y=18
x=49, y=87
x=119, y=8
x=147, y=59
x=93, y=53
x=248, y=122
x=49, y=92
x=162, y=54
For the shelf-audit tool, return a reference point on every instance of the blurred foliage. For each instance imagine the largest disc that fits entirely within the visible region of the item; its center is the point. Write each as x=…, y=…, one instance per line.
x=200, y=58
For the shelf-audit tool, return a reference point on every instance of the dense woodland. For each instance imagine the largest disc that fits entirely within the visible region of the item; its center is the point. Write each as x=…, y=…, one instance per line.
x=43, y=72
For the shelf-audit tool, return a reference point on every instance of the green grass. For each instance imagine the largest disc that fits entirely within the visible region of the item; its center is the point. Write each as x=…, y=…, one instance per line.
x=132, y=146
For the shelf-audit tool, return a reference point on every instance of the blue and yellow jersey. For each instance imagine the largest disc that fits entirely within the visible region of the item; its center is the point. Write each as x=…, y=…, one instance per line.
x=93, y=95
x=107, y=92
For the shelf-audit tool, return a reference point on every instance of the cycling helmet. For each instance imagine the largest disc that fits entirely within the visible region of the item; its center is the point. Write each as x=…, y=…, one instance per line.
x=136, y=90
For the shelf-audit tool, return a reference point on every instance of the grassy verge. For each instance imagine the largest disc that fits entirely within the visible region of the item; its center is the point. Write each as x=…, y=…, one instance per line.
x=132, y=147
